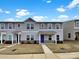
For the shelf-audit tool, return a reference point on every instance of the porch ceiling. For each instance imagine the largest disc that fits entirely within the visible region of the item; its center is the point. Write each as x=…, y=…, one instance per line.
x=16, y=32
x=47, y=32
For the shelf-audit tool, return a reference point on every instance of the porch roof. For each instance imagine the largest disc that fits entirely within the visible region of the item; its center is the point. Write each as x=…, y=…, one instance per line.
x=47, y=32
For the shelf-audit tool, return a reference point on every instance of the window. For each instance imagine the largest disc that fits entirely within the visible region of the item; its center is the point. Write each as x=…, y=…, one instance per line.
x=49, y=26
x=4, y=36
x=32, y=37
x=9, y=37
x=57, y=37
x=57, y=26
x=32, y=26
x=50, y=37
x=2, y=26
x=28, y=26
x=42, y=26
x=77, y=23
x=28, y=37
x=18, y=25
x=69, y=35
x=10, y=26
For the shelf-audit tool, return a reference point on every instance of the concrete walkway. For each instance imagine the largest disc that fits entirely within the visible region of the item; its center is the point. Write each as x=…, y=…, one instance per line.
x=49, y=54
x=7, y=47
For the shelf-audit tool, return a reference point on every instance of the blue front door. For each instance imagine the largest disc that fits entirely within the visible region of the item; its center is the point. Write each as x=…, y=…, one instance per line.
x=42, y=38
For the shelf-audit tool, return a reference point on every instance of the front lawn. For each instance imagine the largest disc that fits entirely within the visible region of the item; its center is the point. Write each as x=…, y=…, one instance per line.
x=3, y=45
x=24, y=49
x=66, y=47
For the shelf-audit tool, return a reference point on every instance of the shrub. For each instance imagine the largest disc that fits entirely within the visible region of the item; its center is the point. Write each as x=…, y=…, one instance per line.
x=8, y=42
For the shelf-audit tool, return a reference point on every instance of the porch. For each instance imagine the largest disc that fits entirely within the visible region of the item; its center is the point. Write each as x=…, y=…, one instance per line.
x=76, y=35
x=10, y=38
x=47, y=37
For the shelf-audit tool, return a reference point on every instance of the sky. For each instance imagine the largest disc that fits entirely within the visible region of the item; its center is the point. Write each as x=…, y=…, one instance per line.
x=39, y=10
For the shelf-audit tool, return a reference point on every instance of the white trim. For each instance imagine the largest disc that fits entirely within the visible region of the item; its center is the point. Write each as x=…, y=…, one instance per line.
x=57, y=25
x=12, y=39
x=1, y=38
x=39, y=39
x=10, y=24
x=18, y=38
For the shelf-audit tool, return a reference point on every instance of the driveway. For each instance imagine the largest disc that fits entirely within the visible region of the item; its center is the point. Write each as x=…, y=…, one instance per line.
x=68, y=55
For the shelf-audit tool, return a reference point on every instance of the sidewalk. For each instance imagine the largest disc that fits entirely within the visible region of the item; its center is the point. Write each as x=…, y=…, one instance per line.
x=7, y=47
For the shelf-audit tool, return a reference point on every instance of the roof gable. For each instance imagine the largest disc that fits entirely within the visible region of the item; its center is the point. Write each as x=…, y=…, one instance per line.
x=29, y=20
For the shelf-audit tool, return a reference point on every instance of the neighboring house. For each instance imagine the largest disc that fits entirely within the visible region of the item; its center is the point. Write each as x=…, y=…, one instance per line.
x=71, y=30
x=30, y=30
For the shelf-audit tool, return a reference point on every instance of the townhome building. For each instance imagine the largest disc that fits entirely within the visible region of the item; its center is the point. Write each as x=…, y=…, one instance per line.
x=71, y=30
x=31, y=31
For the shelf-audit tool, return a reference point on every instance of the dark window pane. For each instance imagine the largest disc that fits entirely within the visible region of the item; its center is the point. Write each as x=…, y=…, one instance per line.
x=18, y=25
x=50, y=37
x=57, y=37
x=69, y=35
x=28, y=37
x=28, y=26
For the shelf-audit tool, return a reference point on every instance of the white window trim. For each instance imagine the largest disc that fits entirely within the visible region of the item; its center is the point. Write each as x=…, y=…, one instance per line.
x=56, y=25
x=49, y=25
x=2, y=24
x=9, y=25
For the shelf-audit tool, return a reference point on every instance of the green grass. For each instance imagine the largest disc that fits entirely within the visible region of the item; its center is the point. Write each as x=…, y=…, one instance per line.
x=3, y=45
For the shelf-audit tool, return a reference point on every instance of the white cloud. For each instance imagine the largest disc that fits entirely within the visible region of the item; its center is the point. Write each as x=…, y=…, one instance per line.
x=49, y=1
x=21, y=13
x=9, y=19
x=61, y=18
x=40, y=18
x=76, y=17
x=17, y=9
x=7, y=12
x=73, y=4
x=4, y=11
x=1, y=11
x=61, y=9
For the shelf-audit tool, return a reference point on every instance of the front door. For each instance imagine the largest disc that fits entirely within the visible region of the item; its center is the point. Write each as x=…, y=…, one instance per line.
x=16, y=38
x=42, y=38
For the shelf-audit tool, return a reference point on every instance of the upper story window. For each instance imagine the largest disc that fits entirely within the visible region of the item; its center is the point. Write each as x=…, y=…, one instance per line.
x=28, y=26
x=77, y=23
x=10, y=26
x=32, y=26
x=43, y=26
x=2, y=26
x=49, y=26
x=18, y=25
x=57, y=26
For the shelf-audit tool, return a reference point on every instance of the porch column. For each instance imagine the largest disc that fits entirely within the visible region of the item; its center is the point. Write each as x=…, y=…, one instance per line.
x=12, y=38
x=18, y=38
x=55, y=39
x=39, y=39
x=1, y=39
